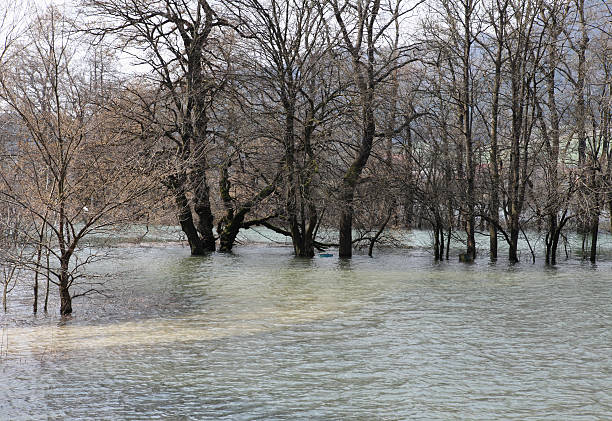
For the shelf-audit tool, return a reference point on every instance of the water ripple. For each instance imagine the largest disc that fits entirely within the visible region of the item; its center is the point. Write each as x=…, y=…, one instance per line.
x=260, y=335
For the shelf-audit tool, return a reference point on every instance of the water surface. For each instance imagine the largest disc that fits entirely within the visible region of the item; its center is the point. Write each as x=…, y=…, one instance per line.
x=263, y=335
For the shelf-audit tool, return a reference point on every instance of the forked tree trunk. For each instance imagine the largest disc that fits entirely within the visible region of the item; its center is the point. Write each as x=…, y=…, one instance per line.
x=205, y=227
x=227, y=236
x=229, y=226
x=186, y=220
x=203, y=210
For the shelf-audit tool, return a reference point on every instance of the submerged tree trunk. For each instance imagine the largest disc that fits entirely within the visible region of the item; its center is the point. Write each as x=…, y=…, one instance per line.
x=186, y=220
x=227, y=236
x=466, y=119
x=35, y=304
x=552, y=239
x=448, y=237
x=297, y=191
x=514, y=186
x=436, y=235
x=594, y=234
x=303, y=245
x=553, y=236
x=555, y=245
x=203, y=210
x=349, y=184
x=345, y=242
x=360, y=40
x=64, y=285
x=229, y=226
x=552, y=140
x=199, y=88
x=46, y=306
x=493, y=155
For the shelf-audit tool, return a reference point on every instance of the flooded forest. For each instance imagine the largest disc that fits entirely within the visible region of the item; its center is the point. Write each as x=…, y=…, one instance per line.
x=310, y=205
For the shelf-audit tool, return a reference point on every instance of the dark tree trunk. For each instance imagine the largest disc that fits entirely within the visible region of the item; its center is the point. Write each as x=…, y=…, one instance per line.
x=349, y=184
x=441, y=234
x=594, y=234
x=448, y=238
x=514, y=236
x=551, y=235
x=345, y=248
x=46, y=305
x=436, y=234
x=518, y=164
x=308, y=249
x=203, y=210
x=229, y=226
x=553, y=250
x=517, y=109
x=186, y=220
x=35, y=305
x=495, y=178
x=303, y=247
x=366, y=82
x=552, y=239
x=552, y=141
x=64, y=284
x=466, y=119
x=302, y=236
x=195, y=128
x=227, y=236
x=345, y=243
x=492, y=242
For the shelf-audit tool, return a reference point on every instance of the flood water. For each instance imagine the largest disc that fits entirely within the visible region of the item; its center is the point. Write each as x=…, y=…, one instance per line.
x=262, y=335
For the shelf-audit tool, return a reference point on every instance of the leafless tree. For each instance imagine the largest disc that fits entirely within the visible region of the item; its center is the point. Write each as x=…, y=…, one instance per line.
x=176, y=42
x=294, y=60
x=71, y=183
x=365, y=26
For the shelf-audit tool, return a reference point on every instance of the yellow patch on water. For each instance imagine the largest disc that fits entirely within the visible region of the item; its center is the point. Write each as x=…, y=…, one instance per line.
x=18, y=342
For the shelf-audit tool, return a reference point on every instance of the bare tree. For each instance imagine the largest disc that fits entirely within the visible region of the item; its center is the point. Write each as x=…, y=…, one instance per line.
x=558, y=192
x=493, y=45
x=455, y=37
x=176, y=42
x=71, y=182
x=299, y=76
x=363, y=27
x=524, y=51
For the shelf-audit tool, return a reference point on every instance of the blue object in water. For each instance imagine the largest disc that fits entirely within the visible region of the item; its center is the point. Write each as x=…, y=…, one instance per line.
x=326, y=255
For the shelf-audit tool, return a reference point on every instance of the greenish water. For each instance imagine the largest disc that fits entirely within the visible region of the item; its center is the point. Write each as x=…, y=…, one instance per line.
x=262, y=335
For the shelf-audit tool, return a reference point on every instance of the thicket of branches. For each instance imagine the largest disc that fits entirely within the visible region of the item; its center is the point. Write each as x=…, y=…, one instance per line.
x=350, y=115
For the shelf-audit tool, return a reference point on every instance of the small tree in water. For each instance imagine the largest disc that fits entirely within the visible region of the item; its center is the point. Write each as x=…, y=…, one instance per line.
x=75, y=170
